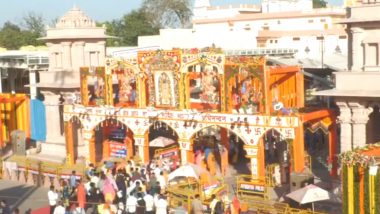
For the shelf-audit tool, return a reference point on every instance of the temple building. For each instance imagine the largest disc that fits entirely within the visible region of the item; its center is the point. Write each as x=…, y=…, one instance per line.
x=73, y=42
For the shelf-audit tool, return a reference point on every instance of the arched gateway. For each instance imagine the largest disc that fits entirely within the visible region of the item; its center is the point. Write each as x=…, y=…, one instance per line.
x=185, y=92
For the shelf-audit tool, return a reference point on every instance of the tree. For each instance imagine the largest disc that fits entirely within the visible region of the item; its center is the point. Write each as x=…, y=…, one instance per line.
x=11, y=36
x=34, y=23
x=129, y=28
x=319, y=3
x=168, y=13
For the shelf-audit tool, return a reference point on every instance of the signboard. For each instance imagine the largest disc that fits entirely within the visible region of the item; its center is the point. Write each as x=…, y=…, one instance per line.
x=118, y=150
x=252, y=188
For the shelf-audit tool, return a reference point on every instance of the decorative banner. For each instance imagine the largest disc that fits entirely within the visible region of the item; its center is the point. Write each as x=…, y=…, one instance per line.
x=117, y=150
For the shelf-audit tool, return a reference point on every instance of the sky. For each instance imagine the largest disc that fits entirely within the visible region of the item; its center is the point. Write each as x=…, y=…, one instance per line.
x=99, y=10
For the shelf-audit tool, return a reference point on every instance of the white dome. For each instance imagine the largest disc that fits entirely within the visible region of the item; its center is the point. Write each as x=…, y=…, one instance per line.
x=75, y=18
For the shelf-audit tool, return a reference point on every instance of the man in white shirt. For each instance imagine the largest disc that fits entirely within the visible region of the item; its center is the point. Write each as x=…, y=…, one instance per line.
x=161, y=179
x=60, y=209
x=53, y=198
x=149, y=203
x=161, y=205
x=213, y=203
x=131, y=204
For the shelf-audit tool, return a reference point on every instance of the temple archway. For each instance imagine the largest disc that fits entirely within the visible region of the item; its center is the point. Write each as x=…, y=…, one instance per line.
x=163, y=144
x=224, y=146
x=113, y=140
x=317, y=148
x=275, y=153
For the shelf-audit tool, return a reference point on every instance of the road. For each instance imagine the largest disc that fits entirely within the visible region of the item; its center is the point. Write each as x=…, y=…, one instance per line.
x=23, y=196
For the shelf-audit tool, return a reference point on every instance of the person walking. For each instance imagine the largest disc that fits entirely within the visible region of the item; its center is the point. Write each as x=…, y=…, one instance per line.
x=149, y=203
x=53, y=198
x=196, y=205
x=161, y=205
x=81, y=195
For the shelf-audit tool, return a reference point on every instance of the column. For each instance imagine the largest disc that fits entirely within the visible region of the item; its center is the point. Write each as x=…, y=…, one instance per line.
x=345, y=127
x=11, y=80
x=89, y=143
x=298, y=149
x=102, y=52
x=53, y=120
x=332, y=148
x=80, y=51
x=187, y=152
x=356, y=48
x=32, y=84
x=359, y=122
x=70, y=159
x=66, y=55
x=142, y=146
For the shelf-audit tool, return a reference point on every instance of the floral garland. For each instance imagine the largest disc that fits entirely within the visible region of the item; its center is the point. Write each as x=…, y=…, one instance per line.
x=355, y=157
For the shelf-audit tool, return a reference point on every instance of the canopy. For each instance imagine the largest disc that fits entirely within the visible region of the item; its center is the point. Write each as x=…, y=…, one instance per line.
x=309, y=194
x=161, y=142
x=187, y=170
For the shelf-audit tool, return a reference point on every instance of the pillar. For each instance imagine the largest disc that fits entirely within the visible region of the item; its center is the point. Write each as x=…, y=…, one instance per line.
x=300, y=90
x=298, y=149
x=359, y=122
x=345, y=127
x=70, y=159
x=187, y=152
x=80, y=53
x=32, y=84
x=332, y=148
x=66, y=55
x=142, y=144
x=89, y=142
x=356, y=49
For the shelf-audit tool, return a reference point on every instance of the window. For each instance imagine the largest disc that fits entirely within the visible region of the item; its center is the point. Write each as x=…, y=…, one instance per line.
x=275, y=41
x=320, y=37
x=323, y=20
x=271, y=41
x=94, y=58
x=265, y=28
x=278, y=22
x=310, y=21
x=342, y=37
x=296, y=39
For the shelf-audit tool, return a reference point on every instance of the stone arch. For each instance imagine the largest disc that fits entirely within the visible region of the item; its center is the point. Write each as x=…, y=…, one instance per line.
x=121, y=133
x=162, y=121
x=171, y=153
x=275, y=149
x=198, y=129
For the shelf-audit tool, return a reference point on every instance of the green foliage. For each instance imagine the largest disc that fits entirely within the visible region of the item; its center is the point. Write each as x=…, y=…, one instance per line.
x=319, y=3
x=14, y=36
x=168, y=13
x=128, y=28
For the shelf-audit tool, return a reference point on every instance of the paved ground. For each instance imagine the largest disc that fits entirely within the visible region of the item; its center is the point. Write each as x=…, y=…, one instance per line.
x=23, y=196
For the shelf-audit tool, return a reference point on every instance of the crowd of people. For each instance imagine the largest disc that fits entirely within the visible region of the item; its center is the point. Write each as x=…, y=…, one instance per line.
x=118, y=188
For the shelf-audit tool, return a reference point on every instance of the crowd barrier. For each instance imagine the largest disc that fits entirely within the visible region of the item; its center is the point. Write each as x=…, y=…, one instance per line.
x=35, y=172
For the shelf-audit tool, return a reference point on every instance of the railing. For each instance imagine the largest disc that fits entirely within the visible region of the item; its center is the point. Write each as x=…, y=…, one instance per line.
x=38, y=172
x=261, y=51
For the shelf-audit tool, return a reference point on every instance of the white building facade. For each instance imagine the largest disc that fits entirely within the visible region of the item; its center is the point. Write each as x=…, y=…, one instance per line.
x=357, y=91
x=274, y=24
